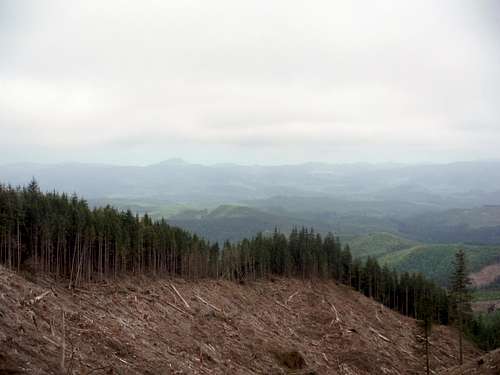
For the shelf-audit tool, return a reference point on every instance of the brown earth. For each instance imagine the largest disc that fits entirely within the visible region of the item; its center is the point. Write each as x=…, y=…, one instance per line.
x=488, y=364
x=141, y=326
x=485, y=275
x=486, y=306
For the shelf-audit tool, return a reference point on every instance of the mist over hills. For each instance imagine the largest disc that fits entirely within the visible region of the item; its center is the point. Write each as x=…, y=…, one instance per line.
x=460, y=184
x=447, y=203
x=412, y=218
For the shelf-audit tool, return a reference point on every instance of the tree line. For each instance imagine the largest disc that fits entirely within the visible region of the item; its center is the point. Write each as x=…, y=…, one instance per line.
x=59, y=234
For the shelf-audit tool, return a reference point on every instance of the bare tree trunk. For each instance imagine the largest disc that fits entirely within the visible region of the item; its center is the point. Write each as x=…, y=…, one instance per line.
x=406, y=307
x=460, y=334
x=427, y=350
x=63, y=347
x=18, y=247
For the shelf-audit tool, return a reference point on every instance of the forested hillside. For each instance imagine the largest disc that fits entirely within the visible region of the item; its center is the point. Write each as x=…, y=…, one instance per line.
x=436, y=261
x=479, y=225
x=379, y=244
x=60, y=235
x=234, y=222
x=432, y=260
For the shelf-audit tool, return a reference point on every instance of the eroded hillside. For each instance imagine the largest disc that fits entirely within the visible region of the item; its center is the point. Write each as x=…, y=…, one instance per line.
x=143, y=326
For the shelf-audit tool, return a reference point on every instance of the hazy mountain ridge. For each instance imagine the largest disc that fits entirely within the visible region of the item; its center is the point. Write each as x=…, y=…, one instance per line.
x=466, y=184
x=479, y=225
x=430, y=203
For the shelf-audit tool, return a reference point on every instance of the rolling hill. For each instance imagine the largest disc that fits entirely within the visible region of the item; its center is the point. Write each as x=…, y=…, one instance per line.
x=432, y=203
x=232, y=222
x=430, y=186
x=436, y=261
x=378, y=244
x=478, y=225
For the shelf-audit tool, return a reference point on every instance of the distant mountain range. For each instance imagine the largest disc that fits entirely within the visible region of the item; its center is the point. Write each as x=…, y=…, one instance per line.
x=464, y=184
x=457, y=202
x=412, y=217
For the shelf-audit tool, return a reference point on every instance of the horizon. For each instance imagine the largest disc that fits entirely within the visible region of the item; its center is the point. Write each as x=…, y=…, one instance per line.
x=180, y=161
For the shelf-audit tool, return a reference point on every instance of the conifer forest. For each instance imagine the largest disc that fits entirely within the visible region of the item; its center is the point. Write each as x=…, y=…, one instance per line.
x=60, y=235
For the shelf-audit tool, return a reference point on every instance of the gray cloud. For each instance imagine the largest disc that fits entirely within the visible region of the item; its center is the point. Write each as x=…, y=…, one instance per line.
x=262, y=81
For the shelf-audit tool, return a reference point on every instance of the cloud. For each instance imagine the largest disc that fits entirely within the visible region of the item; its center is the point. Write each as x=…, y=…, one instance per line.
x=261, y=81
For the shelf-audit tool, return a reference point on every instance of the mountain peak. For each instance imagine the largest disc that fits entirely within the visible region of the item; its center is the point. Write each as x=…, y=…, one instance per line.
x=173, y=161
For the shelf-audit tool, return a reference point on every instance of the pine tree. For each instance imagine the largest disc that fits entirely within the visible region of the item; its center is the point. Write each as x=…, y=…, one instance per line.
x=425, y=324
x=460, y=297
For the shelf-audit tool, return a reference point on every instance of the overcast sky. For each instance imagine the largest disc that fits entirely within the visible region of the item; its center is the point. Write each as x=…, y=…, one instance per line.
x=136, y=82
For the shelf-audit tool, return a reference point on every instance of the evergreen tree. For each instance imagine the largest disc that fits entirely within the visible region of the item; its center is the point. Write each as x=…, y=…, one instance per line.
x=425, y=325
x=460, y=297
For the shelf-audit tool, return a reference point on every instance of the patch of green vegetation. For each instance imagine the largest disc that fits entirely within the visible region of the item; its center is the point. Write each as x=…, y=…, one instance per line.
x=484, y=330
x=436, y=261
x=378, y=244
x=485, y=295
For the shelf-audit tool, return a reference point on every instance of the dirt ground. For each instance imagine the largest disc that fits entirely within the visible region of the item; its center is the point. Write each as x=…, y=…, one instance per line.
x=486, y=306
x=143, y=326
x=488, y=364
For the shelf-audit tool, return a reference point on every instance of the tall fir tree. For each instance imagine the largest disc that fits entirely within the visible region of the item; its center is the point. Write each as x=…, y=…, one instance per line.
x=460, y=297
x=425, y=326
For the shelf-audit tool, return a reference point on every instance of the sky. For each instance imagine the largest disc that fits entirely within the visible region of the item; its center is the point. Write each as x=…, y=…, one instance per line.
x=251, y=82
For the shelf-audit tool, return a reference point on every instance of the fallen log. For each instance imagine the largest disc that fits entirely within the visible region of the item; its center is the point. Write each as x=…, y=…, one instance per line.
x=180, y=296
x=380, y=335
x=208, y=304
x=38, y=298
x=337, y=319
x=176, y=308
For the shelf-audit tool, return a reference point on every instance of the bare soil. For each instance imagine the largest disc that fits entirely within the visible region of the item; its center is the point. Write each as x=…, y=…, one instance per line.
x=485, y=275
x=142, y=326
x=486, y=306
x=488, y=364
